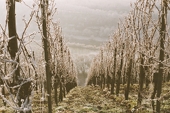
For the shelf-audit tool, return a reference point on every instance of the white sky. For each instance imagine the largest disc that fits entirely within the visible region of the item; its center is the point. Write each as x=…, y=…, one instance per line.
x=90, y=22
x=85, y=23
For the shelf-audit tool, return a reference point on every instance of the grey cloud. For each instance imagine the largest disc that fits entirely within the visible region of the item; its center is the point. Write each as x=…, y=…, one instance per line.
x=88, y=22
x=89, y=18
x=79, y=45
x=91, y=40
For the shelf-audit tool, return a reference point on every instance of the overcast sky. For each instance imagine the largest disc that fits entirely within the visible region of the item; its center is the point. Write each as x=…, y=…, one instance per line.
x=90, y=22
x=86, y=24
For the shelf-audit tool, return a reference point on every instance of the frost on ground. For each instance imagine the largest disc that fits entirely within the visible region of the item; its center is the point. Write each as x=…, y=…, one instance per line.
x=92, y=99
x=87, y=99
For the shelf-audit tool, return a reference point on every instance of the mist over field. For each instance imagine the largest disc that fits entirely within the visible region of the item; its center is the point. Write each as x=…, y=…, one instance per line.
x=85, y=24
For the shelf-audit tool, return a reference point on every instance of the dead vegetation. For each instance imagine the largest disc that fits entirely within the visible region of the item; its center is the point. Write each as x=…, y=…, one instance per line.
x=93, y=99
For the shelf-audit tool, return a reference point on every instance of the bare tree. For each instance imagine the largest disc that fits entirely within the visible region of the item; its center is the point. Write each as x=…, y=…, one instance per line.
x=46, y=46
x=13, y=44
x=114, y=71
x=120, y=71
x=164, y=4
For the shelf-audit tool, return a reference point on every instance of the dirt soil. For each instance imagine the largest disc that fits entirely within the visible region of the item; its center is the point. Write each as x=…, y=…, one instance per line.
x=93, y=99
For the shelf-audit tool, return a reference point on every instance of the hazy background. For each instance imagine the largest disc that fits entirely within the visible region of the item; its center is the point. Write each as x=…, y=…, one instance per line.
x=86, y=25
